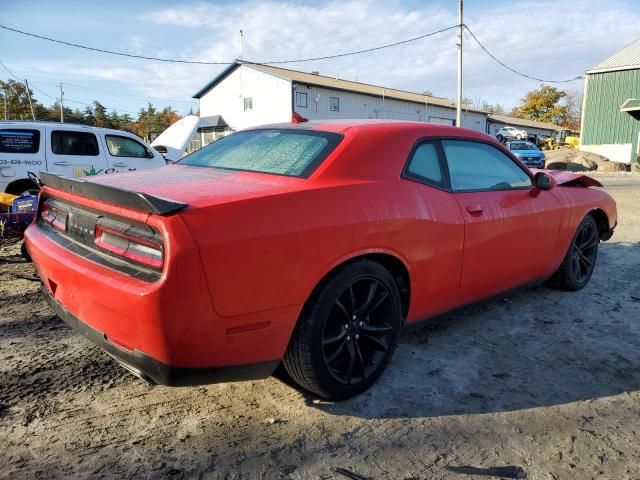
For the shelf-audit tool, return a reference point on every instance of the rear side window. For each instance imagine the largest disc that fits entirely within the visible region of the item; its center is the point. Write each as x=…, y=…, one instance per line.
x=279, y=151
x=424, y=165
x=65, y=142
x=17, y=140
x=125, y=147
x=478, y=166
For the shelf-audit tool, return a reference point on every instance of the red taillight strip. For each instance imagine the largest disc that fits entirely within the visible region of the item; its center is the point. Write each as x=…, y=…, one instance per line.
x=54, y=216
x=128, y=250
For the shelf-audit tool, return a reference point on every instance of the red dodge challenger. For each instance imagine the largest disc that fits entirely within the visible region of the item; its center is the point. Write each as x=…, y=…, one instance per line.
x=309, y=245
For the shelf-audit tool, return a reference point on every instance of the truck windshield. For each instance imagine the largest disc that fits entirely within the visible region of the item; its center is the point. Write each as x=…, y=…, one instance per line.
x=289, y=152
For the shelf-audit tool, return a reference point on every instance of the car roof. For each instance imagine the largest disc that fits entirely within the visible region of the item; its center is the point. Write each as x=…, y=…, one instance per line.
x=66, y=126
x=343, y=125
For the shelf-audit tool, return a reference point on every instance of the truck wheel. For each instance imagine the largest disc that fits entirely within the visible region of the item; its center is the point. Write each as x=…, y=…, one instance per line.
x=347, y=332
x=23, y=187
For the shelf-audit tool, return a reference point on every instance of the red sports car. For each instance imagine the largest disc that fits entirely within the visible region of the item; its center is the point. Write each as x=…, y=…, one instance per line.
x=309, y=245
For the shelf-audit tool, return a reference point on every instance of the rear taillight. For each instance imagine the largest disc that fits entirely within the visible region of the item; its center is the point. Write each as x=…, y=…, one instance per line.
x=124, y=244
x=54, y=216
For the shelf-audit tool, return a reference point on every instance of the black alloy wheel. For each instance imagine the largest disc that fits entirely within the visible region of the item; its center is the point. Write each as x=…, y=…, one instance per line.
x=347, y=331
x=357, y=335
x=580, y=261
x=584, y=252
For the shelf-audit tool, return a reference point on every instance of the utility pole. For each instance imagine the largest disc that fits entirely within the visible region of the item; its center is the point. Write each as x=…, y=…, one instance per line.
x=459, y=105
x=6, y=110
x=26, y=84
x=61, y=105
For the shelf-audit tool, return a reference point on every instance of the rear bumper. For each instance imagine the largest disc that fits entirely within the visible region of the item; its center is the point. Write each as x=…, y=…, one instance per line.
x=154, y=371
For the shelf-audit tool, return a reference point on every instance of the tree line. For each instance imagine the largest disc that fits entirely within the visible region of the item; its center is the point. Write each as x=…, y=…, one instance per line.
x=149, y=120
x=544, y=104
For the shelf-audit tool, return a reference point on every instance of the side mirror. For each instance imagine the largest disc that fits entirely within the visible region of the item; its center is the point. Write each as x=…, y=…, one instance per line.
x=544, y=181
x=149, y=153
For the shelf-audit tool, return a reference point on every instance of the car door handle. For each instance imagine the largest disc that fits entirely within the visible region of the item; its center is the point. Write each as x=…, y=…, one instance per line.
x=120, y=164
x=474, y=209
x=63, y=163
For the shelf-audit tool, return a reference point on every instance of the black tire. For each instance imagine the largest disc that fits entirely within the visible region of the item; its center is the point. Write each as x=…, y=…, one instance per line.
x=500, y=137
x=518, y=137
x=579, y=262
x=333, y=352
x=20, y=187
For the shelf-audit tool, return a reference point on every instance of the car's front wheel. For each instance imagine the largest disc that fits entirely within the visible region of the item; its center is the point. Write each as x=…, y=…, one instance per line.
x=347, y=332
x=580, y=260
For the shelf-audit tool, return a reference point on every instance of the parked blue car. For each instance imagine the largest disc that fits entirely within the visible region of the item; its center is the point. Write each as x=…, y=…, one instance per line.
x=528, y=153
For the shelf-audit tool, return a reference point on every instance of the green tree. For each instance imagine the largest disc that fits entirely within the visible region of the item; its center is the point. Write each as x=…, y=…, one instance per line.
x=542, y=105
x=17, y=100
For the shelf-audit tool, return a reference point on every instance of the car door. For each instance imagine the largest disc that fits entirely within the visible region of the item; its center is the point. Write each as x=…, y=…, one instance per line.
x=510, y=226
x=438, y=232
x=127, y=154
x=74, y=153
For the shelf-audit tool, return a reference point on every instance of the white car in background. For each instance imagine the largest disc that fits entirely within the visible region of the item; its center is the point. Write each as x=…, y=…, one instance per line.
x=67, y=149
x=511, y=133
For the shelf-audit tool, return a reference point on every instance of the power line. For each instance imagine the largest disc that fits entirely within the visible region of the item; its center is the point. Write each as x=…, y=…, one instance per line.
x=511, y=69
x=197, y=62
x=66, y=98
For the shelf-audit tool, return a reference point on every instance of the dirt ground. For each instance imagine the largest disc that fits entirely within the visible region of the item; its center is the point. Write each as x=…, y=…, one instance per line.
x=541, y=385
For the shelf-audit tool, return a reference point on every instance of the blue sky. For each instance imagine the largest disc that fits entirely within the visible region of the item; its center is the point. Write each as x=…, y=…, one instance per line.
x=547, y=39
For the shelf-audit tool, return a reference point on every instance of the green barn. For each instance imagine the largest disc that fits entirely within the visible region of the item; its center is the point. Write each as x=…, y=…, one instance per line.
x=611, y=106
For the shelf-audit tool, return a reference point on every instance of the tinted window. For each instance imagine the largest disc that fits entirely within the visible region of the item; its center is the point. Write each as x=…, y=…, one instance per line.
x=424, y=164
x=17, y=140
x=125, y=147
x=74, y=143
x=279, y=151
x=477, y=166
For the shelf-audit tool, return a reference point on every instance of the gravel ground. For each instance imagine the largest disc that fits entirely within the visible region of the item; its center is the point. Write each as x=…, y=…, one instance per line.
x=541, y=385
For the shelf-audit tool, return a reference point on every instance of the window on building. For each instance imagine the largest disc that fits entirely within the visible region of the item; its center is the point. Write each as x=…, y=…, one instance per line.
x=65, y=142
x=334, y=104
x=125, y=147
x=301, y=99
x=248, y=104
x=17, y=140
x=478, y=166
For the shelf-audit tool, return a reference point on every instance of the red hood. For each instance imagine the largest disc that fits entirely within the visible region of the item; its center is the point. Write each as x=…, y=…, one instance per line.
x=564, y=178
x=197, y=186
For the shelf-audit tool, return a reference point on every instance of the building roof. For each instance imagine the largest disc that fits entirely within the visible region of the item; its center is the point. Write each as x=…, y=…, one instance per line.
x=521, y=122
x=626, y=59
x=335, y=83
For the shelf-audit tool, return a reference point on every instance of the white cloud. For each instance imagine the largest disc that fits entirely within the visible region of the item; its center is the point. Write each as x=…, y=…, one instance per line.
x=525, y=36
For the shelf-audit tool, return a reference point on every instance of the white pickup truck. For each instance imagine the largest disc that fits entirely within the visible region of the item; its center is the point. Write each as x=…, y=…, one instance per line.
x=67, y=149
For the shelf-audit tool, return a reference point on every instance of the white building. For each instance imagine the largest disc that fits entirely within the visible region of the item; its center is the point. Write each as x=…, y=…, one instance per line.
x=247, y=95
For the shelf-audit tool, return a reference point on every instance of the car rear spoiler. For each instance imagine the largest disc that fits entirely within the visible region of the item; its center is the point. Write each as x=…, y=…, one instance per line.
x=110, y=194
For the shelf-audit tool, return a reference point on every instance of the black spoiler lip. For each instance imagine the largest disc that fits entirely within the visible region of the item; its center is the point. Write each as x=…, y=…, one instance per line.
x=109, y=194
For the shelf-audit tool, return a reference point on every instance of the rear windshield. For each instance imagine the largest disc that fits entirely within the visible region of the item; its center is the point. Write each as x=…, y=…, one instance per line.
x=295, y=153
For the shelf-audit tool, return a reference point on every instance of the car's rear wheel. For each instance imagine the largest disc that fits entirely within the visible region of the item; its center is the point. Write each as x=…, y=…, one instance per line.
x=347, y=332
x=580, y=260
x=500, y=137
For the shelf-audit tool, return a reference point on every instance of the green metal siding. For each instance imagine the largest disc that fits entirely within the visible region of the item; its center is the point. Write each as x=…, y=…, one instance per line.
x=604, y=123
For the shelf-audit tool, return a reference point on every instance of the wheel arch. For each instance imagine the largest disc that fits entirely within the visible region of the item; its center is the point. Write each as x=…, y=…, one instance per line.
x=19, y=185
x=601, y=218
x=391, y=261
